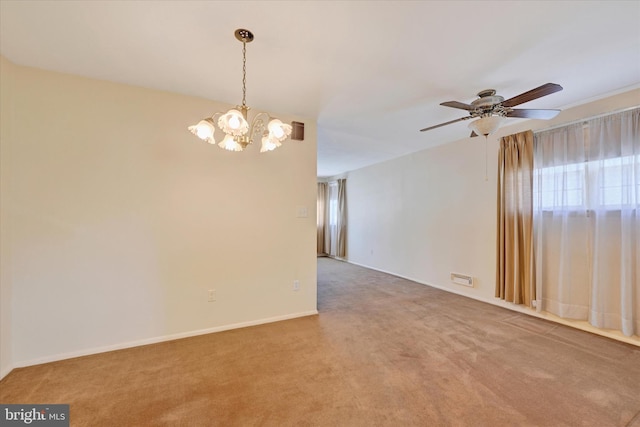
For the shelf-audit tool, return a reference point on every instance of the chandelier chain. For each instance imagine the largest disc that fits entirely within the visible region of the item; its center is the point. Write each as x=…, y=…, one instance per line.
x=244, y=74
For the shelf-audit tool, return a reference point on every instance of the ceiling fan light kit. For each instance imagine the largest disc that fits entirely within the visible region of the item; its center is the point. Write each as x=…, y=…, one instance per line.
x=486, y=125
x=238, y=131
x=490, y=109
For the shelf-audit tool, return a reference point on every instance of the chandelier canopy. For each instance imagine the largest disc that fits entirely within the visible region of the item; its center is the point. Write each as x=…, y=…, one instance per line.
x=238, y=133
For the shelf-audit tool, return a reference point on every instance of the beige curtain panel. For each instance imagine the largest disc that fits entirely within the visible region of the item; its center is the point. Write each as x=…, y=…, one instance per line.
x=514, y=270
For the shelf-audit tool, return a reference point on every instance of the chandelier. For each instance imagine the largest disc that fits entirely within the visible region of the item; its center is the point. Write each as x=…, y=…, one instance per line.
x=234, y=124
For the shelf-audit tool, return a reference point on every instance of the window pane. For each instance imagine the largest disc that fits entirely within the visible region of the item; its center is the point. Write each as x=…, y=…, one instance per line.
x=560, y=187
x=617, y=185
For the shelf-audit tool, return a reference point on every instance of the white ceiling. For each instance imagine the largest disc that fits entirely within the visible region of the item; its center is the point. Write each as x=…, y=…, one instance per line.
x=372, y=73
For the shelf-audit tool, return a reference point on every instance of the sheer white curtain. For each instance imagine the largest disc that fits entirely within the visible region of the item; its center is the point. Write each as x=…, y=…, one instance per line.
x=587, y=231
x=321, y=217
x=336, y=223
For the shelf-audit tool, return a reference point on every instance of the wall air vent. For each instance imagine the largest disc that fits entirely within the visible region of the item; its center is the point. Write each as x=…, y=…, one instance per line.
x=461, y=279
x=297, y=131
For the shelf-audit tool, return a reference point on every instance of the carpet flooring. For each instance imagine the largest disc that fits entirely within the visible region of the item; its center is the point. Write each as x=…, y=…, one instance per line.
x=383, y=351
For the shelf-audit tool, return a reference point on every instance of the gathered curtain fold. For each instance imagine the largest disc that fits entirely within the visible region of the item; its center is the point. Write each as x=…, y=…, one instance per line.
x=514, y=258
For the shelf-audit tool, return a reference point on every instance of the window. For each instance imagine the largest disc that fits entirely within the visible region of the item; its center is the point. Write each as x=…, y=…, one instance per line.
x=609, y=183
x=619, y=182
x=560, y=186
x=581, y=177
x=333, y=204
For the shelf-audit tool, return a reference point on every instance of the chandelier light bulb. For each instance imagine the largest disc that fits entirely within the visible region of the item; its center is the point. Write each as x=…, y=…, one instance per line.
x=203, y=130
x=233, y=123
x=269, y=144
x=230, y=143
x=276, y=128
x=279, y=130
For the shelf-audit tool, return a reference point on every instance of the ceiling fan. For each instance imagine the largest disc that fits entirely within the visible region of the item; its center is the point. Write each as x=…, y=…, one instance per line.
x=490, y=109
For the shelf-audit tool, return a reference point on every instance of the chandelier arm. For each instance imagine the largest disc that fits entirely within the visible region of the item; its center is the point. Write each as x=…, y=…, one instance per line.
x=258, y=124
x=214, y=118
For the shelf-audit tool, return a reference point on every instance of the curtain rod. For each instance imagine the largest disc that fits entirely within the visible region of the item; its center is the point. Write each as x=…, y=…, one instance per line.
x=587, y=119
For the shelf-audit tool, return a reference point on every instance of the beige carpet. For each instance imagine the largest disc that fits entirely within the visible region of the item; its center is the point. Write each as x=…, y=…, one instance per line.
x=383, y=352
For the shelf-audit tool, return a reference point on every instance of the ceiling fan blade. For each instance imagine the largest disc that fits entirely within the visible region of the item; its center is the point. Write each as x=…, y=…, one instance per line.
x=533, y=114
x=445, y=123
x=456, y=104
x=539, y=92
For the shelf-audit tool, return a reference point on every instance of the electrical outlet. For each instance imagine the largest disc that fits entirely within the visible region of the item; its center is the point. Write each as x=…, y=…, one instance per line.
x=212, y=295
x=296, y=285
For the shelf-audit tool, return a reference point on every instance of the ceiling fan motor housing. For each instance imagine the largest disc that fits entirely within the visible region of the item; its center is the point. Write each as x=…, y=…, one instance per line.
x=487, y=99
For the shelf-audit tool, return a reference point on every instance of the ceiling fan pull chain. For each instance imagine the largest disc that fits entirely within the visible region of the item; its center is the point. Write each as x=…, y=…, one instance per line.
x=486, y=158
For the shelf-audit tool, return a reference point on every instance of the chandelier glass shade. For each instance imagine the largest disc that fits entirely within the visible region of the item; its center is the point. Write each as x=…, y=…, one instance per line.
x=238, y=130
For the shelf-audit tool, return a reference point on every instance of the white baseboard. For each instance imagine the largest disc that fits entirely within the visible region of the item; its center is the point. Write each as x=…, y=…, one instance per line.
x=154, y=340
x=584, y=326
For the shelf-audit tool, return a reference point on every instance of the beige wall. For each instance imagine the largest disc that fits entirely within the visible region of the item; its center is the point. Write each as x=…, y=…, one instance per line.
x=428, y=214
x=6, y=100
x=121, y=220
